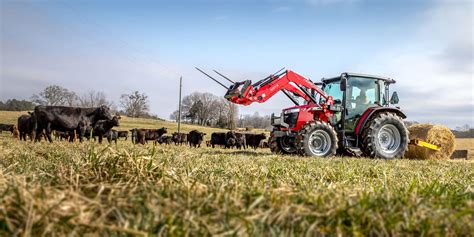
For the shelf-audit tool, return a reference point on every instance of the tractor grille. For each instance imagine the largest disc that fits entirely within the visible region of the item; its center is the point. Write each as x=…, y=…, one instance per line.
x=290, y=118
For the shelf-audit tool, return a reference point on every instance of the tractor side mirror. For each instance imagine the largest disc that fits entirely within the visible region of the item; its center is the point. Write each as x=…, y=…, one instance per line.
x=343, y=84
x=394, y=99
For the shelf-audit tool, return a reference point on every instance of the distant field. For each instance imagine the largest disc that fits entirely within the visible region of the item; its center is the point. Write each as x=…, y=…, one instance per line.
x=466, y=144
x=72, y=188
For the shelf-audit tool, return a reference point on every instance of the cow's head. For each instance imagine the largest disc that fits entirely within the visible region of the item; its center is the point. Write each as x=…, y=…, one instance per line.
x=231, y=134
x=115, y=120
x=231, y=142
x=104, y=113
x=175, y=136
x=161, y=131
x=261, y=135
x=200, y=136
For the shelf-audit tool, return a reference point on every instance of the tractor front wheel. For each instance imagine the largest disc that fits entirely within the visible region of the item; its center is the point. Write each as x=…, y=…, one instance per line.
x=385, y=136
x=317, y=138
x=281, y=145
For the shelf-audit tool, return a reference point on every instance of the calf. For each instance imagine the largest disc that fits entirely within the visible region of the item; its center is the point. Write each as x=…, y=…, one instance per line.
x=253, y=140
x=179, y=138
x=122, y=134
x=6, y=127
x=103, y=127
x=63, y=135
x=112, y=135
x=165, y=139
x=25, y=126
x=16, y=133
x=195, y=138
x=67, y=119
x=208, y=143
x=264, y=144
x=144, y=135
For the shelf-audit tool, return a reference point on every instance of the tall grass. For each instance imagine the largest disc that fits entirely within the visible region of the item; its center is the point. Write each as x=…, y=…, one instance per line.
x=78, y=189
x=123, y=189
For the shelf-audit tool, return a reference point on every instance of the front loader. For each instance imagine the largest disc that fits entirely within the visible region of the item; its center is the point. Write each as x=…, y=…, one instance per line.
x=350, y=114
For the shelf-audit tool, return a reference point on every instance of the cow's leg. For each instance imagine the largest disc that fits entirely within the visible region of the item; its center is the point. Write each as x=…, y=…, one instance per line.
x=81, y=131
x=47, y=131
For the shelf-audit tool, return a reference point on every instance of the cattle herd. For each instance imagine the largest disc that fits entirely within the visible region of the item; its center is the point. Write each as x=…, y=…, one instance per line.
x=71, y=123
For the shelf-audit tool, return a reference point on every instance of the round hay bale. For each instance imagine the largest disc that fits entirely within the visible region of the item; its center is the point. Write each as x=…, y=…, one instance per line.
x=435, y=134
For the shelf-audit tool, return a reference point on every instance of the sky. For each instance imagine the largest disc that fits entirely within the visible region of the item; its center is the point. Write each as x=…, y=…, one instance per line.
x=121, y=46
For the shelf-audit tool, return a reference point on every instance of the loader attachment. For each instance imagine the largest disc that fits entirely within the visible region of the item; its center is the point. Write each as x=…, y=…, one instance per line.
x=238, y=91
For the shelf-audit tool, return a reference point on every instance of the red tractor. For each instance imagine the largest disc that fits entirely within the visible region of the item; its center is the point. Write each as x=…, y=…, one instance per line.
x=350, y=114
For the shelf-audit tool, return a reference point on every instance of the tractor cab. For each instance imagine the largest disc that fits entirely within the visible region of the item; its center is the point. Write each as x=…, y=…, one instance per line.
x=356, y=93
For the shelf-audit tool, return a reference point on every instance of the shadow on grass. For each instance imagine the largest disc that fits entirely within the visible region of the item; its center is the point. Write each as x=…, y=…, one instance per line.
x=236, y=152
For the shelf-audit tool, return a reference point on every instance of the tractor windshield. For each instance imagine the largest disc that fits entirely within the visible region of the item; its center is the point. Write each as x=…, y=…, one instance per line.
x=333, y=90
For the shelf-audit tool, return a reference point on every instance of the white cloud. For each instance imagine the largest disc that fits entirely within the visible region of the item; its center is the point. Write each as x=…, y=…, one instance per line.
x=435, y=72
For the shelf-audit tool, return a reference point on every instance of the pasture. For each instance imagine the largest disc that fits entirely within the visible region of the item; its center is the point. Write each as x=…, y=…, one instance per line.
x=125, y=189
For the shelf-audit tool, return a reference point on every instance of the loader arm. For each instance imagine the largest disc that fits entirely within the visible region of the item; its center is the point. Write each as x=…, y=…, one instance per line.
x=245, y=94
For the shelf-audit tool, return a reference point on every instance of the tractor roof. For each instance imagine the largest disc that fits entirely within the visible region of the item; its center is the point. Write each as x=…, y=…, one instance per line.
x=386, y=79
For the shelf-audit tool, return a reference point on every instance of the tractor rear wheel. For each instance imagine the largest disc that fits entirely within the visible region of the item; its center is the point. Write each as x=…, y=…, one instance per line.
x=385, y=136
x=281, y=145
x=317, y=138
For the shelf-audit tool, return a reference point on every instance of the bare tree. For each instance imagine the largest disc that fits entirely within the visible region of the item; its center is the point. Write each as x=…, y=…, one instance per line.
x=207, y=109
x=55, y=95
x=94, y=99
x=135, y=104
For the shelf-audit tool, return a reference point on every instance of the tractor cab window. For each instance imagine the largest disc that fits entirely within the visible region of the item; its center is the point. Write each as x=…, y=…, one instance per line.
x=333, y=90
x=362, y=93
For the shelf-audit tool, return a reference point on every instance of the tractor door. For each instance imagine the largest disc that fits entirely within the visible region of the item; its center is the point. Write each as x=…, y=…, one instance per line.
x=362, y=93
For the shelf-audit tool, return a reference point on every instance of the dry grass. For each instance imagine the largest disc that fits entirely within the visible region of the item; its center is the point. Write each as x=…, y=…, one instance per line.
x=466, y=144
x=124, y=189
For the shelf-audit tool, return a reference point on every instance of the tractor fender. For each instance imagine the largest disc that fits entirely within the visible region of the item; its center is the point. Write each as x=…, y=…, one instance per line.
x=370, y=112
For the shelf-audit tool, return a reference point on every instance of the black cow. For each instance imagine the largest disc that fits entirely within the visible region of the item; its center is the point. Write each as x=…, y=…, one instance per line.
x=25, y=126
x=179, y=138
x=122, y=134
x=253, y=140
x=218, y=138
x=165, y=139
x=112, y=135
x=67, y=119
x=103, y=127
x=235, y=139
x=6, y=127
x=195, y=138
x=145, y=135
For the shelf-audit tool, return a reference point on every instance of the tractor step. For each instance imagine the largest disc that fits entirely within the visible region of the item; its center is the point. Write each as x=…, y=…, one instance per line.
x=355, y=151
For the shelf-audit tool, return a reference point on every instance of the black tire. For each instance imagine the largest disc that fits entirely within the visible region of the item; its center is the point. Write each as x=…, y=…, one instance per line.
x=385, y=136
x=277, y=146
x=317, y=138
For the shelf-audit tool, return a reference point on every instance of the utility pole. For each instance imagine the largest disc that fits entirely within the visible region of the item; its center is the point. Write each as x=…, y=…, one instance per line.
x=179, y=108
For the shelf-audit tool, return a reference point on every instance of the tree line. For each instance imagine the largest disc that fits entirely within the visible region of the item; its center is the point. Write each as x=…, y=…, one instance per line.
x=134, y=104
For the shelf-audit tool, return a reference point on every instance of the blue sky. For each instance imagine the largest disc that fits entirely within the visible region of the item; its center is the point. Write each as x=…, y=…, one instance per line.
x=120, y=46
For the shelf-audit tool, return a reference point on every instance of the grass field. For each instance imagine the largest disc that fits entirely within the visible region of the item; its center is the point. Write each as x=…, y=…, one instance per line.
x=126, y=189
